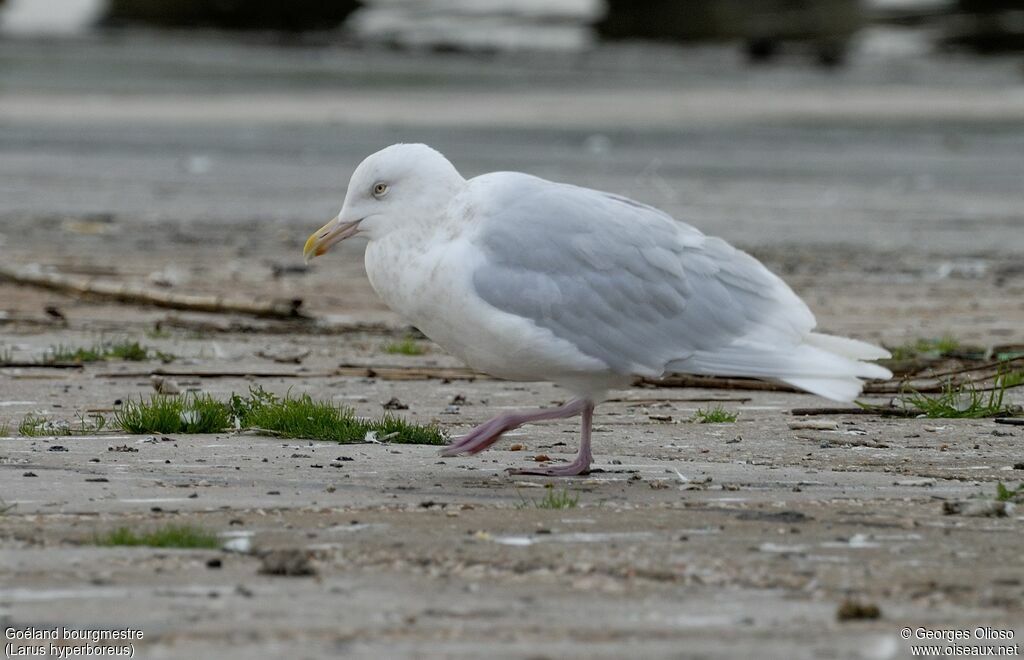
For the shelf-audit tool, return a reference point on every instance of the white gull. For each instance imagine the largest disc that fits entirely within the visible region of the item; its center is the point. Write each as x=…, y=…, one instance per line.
x=527, y=279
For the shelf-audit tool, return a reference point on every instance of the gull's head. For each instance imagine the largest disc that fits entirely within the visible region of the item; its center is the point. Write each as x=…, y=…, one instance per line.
x=397, y=186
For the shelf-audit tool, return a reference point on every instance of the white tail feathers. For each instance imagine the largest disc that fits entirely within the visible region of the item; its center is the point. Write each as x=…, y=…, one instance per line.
x=824, y=365
x=843, y=387
x=837, y=389
x=850, y=348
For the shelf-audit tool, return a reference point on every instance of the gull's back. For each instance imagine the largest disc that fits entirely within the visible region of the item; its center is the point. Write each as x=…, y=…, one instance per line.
x=643, y=293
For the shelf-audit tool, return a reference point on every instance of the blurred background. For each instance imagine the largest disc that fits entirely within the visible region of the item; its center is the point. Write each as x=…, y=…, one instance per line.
x=193, y=144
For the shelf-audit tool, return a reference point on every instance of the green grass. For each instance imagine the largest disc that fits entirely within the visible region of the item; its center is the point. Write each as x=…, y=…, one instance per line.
x=261, y=411
x=124, y=350
x=170, y=536
x=34, y=426
x=1005, y=494
x=407, y=346
x=131, y=351
x=191, y=413
x=964, y=401
x=553, y=499
x=1011, y=379
x=399, y=430
x=716, y=415
x=559, y=500
x=934, y=348
x=303, y=417
x=62, y=353
x=5, y=428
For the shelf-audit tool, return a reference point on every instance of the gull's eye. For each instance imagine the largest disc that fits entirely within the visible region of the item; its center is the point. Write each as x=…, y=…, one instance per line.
x=380, y=189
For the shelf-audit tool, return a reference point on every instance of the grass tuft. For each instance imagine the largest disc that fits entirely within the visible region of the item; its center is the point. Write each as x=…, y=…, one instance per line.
x=407, y=346
x=5, y=428
x=34, y=426
x=1010, y=379
x=1005, y=494
x=170, y=536
x=37, y=425
x=964, y=401
x=125, y=350
x=934, y=348
x=302, y=417
x=192, y=413
x=62, y=353
x=399, y=430
x=261, y=411
x=131, y=351
x=716, y=415
x=552, y=499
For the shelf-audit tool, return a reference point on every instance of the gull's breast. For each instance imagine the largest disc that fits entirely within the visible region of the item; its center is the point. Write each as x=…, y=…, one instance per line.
x=429, y=284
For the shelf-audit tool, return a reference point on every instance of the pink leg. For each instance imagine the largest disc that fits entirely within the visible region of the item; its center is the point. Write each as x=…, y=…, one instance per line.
x=580, y=464
x=488, y=433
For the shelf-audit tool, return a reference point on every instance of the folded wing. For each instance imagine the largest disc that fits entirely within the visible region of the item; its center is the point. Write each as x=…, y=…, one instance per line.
x=645, y=293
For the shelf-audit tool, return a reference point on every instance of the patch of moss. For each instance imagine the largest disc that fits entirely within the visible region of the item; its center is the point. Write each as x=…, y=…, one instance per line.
x=716, y=415
x=170, y=536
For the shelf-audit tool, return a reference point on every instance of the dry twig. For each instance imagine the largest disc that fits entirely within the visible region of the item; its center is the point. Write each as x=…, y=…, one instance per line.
x=88, y=287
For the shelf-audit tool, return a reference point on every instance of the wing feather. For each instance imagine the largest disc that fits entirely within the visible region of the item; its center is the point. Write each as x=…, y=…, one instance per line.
x=625, y=282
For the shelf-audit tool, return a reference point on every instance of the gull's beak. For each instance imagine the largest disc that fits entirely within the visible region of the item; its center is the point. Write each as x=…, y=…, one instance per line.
x=322, y=239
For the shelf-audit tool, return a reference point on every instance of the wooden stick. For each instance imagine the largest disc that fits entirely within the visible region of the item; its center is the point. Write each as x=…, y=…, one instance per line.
x=713, y=383
x=994, y=364
x=898, y=387
x=411, y=373
x=884, y=412
x=912, y=366
x=42, y=365
x=381, y=372
x=132, y=294
x=242, y=373
x=289, y=325
x=800, y=412
x=718, y=383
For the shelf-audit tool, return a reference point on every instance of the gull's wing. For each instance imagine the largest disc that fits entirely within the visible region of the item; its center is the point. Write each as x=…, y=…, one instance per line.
x=636, y=289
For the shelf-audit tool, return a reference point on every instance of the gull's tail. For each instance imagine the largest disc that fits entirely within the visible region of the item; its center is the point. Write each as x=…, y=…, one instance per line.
x=837, y=387
x=825, y=365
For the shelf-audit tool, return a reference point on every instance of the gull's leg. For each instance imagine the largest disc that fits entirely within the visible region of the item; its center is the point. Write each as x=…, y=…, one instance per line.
x=488, y=433
x=580, y=464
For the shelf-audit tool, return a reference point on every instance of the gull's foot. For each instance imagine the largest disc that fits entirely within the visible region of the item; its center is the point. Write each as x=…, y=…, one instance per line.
x=479, y=438
x=573, y=469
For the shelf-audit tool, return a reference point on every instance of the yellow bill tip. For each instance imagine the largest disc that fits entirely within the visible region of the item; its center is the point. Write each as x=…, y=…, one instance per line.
x=311, y=249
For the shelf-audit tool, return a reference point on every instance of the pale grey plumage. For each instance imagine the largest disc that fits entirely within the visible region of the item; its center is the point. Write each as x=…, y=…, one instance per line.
x=639, y=290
